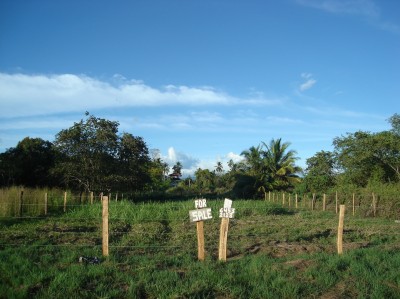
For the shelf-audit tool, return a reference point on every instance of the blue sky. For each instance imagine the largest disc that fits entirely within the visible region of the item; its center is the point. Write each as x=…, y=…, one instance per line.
x=201, y=80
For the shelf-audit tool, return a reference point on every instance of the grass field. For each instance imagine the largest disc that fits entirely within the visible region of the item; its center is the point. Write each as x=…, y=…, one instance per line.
x=273, y=252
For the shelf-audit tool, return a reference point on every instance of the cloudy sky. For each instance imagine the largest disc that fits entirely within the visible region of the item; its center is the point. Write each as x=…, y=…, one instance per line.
x=201, y=80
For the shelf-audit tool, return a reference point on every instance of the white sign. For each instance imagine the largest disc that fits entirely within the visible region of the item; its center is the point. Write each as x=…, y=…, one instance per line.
x=200, y=214
x=227, y=203
x=227, y=213
x=200, y=203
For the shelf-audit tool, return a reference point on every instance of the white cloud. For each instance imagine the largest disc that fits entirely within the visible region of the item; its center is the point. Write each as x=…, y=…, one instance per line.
x=283, y=120
x=188, y=162
x=356, y=7
x=310, y=81
x=365, y=8
x=27, y=95
x=234, y=157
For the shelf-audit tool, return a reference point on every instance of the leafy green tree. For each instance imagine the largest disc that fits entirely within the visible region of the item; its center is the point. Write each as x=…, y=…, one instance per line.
x=364, y=157
x=205, y=180
x=158, y=172
x=28, y=164
x=394, y=120
x=320, y=172
x=87, y=153
x=133, y=162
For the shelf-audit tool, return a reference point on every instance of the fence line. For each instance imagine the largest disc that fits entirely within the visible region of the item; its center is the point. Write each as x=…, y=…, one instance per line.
x=285, y=202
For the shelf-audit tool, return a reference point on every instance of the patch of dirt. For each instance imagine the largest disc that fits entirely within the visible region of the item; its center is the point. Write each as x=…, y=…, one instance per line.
x=278, y=249
x=300, y=264
x=341, y=290
x=336, y=292
x=355, y=245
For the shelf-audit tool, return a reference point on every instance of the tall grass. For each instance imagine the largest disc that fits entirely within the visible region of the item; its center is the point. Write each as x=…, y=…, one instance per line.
x=273, y=252
x=18, y=201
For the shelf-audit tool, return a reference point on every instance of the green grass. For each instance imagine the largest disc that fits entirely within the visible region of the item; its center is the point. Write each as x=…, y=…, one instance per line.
x=273, y=252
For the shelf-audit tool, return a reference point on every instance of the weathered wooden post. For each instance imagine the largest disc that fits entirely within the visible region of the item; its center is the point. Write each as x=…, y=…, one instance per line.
x=296, y=200
x=313, y=202
x=105, y=226
x=340, y=230
x=324, y=202
x=91, y=197
x=21, y=202
x=65, y=201
x=199, y=215
x=225, y=213
x=354, y=206
x=45, y=204
x=374, y=203
x=336, y=202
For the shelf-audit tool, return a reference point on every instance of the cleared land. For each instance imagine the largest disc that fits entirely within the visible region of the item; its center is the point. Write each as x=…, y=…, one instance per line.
x=273, y=252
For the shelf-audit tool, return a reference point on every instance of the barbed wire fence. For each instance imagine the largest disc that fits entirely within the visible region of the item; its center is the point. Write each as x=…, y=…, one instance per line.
x=169, y=234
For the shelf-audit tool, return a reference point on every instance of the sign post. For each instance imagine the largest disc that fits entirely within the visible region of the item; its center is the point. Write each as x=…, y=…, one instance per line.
x=225, y=213
x=199, y=215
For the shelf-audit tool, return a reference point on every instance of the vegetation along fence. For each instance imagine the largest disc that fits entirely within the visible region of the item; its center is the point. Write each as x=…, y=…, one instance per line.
x=278, y=225
x=20, y=202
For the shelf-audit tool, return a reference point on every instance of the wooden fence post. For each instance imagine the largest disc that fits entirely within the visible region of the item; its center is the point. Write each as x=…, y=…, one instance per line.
x=296, y=199
x=21, y=203
x=105, y=226
x=223, y=239
x=340, y=230
x=324, y=202
x=290, y=200
x=336, y=200
x=313, y=202
x=45, y=204
x=225, y=214
x=374, y=203
x=269, y=196
x=283, y=199
x=91, y=197
x=199, y=215
x=354, y=206
x=65, y=201
x=200, y=240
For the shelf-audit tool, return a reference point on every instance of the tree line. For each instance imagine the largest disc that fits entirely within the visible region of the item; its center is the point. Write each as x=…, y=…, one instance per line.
x=92, y=155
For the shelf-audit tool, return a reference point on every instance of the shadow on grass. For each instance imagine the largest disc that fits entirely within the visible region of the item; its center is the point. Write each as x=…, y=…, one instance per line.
x=280, y=211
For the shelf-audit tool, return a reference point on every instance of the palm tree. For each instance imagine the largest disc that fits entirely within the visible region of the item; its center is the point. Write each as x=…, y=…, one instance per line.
x=279, y=169
x=177, y=169
x=219, y=168
x=253, y=159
